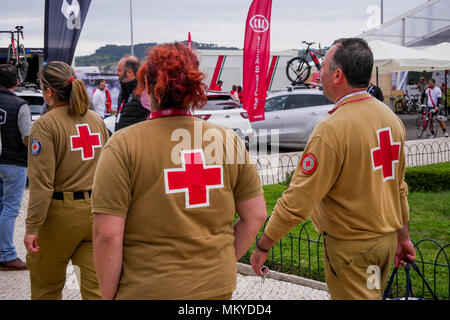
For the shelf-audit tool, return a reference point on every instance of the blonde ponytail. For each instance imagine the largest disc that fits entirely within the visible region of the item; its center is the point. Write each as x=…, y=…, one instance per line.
x=79, y=99
x=60, y=77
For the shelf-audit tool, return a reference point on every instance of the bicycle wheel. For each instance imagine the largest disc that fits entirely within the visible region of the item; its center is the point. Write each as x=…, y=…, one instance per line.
x=410, y=108
x=22, y=66
x=436, y=127
x=419, y=126
x=398, y=107
x=298, y=70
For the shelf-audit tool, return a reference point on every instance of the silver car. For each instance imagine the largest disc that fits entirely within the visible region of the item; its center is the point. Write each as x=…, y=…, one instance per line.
x=295, y=113
x=33, y=96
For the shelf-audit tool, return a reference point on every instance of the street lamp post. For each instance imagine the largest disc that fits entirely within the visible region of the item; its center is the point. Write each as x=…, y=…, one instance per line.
x=131, y=27
x=382, y=12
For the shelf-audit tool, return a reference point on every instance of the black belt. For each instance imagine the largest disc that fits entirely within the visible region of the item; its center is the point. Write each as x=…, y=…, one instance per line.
x=78, y=195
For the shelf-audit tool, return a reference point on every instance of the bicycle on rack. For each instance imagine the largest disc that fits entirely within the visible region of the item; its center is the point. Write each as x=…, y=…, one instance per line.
x=425, y=120
x=16, y=53
x=298, y=69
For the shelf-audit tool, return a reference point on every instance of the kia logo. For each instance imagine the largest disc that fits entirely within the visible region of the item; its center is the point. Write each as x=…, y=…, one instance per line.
x=259, y=23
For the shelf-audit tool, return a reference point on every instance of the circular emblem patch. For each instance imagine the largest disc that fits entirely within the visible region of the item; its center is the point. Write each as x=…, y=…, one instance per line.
x=35, y=147
x=309, y=163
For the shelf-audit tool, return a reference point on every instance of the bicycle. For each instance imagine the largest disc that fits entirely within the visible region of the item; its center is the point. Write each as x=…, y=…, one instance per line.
x=425, y=120
x=407, y=104
x=298, y=69
x=16, y=53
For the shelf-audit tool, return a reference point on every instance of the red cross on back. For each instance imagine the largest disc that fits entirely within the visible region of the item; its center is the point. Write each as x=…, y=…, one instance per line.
x=85, y=141
x=194, y=178
x=386, y=155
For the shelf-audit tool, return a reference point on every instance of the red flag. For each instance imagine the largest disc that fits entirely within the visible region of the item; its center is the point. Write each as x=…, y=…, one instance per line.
x=256, y=58
x=217, y=71
x=189, y=43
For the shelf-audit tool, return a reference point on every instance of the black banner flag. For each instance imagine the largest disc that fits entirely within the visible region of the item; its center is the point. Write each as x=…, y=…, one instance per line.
x=64, y=20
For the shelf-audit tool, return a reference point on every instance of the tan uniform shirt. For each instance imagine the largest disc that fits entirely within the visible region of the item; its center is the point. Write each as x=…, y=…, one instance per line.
x=351, y=176
x=179, y=237
x=62, y=156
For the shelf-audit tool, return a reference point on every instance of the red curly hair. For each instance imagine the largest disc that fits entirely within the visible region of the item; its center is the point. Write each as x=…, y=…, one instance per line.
x=173, y=77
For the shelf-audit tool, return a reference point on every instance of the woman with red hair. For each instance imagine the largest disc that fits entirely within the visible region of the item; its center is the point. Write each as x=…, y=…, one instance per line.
x=164, y=209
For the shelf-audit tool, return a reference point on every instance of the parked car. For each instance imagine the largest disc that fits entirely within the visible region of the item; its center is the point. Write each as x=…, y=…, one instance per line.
x=219, y=109
x=33, y=96
x=222, y=110
x=295, y=113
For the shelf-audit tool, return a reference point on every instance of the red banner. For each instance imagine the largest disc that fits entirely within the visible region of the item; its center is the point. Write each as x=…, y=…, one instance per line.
x=256, y=58
x=189, y=42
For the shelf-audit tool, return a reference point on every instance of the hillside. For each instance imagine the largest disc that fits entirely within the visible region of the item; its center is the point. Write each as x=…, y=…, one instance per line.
x=107, y=57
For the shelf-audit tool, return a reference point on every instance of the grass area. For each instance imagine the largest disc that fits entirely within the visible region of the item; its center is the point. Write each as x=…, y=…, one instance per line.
x=301, y=251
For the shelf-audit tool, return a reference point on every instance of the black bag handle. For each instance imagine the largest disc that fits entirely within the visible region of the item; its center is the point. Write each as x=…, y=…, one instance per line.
x=408, y=280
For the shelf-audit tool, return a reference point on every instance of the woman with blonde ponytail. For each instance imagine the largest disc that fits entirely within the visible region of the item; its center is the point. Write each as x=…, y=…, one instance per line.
x=65, y=145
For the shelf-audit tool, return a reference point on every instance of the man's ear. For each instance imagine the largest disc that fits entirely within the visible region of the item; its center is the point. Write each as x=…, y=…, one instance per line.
x=338, y=76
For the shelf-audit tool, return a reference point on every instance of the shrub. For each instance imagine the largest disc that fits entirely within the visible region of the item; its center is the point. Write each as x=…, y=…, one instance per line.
x=431, y=178
x=288, y=178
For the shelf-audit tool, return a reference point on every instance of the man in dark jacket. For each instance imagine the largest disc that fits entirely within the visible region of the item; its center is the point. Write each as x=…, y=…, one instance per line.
x=376, y=92
x=130, y=109
x=15, y=124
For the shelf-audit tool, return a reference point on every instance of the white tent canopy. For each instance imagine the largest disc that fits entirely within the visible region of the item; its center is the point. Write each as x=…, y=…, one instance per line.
x=390, y=57
x=440, y=51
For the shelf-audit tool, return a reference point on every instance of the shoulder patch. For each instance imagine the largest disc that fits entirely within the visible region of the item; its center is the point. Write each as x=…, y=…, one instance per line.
x=309, y=164
x=35, y=147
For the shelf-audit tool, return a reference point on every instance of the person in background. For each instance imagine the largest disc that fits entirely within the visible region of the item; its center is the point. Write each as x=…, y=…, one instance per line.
x=234, y=94
x=376, y=92
x=65, y=145
x=434, y=95
x=240, y=94
x=218, y=86
x=99, y=98
x=422, y=85
x=152, y=240
x=363, y=217
x=15, y=127
x=108, y=101
x=130, y=109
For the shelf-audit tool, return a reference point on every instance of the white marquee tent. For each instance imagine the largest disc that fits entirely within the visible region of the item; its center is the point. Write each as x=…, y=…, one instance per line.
x=390, y=57
x=440, y=51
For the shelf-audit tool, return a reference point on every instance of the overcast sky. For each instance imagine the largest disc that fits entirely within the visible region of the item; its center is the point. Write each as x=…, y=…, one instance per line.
x=209, y=21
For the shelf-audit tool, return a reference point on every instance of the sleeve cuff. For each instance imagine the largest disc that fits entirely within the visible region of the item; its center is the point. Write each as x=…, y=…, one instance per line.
x=277, y=228
x=250, y=195
x=105, y=210
x=404, y=206
x=32, y=229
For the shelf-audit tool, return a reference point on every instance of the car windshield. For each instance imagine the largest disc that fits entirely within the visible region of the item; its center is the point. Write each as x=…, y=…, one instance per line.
x=220, y=104
x=35, y=103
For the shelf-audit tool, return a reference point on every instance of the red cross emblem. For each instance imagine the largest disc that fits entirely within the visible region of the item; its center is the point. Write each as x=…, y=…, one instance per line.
x=85, y=141
x=194, y=178
x=386, y=155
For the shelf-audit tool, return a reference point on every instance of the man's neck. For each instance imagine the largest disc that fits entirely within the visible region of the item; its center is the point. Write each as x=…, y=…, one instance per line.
x=346, y=93
x=9, y=89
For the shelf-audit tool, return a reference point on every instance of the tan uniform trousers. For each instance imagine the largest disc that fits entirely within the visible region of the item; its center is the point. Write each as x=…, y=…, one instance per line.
x=358, y=269
x=65, y=235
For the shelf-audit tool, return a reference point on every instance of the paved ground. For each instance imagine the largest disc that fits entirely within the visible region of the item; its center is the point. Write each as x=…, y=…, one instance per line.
x=16, y=285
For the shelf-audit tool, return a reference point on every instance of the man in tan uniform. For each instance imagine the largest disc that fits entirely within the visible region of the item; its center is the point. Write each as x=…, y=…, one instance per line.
x=65, y=145
x=350, y=180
